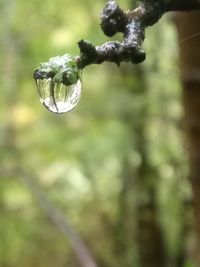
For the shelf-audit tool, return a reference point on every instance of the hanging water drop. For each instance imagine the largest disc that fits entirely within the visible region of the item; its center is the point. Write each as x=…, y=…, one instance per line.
x=59, y=83
x=57, y=97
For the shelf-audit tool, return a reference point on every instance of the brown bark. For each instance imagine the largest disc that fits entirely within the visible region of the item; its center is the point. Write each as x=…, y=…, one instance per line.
x=188, y=25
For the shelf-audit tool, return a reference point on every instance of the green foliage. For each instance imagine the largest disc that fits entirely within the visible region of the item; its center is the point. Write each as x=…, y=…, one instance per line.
x=63, y=68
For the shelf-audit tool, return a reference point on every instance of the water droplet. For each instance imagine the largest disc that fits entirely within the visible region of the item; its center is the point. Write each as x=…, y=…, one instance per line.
x=57, y=97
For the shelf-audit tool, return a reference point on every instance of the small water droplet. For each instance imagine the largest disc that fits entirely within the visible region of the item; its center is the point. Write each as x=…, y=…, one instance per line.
x=57, y=97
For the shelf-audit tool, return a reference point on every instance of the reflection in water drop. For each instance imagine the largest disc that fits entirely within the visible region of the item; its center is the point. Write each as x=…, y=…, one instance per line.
x=58, y=97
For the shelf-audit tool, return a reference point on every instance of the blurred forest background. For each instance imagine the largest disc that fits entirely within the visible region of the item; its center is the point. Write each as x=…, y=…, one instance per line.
x=115, y=167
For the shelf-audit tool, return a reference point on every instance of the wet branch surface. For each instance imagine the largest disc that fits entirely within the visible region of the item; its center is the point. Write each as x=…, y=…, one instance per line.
x=132, y=25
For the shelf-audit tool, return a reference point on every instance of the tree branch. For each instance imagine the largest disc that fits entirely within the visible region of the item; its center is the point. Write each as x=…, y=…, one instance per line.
x=132, y=24
x=59, y=220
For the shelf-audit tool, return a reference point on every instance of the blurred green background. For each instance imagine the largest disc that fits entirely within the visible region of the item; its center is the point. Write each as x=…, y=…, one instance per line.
x=115, y=166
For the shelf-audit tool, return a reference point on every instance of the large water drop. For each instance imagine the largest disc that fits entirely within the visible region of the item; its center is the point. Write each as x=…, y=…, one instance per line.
x=57, y=97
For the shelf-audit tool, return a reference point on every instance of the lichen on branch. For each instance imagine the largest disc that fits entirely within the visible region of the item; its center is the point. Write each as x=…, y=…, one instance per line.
x=132, y=24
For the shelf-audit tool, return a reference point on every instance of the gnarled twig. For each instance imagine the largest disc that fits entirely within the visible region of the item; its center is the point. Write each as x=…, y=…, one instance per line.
x=132, y=24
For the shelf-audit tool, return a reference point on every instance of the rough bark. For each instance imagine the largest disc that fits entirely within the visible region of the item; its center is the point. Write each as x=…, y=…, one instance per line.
x=188, y=25
x=132, y=25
